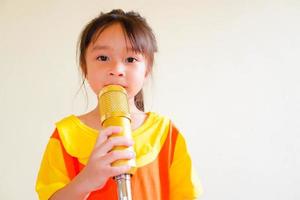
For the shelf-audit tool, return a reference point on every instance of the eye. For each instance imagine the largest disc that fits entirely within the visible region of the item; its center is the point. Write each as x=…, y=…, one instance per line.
x=131, y=59
x=102, y=58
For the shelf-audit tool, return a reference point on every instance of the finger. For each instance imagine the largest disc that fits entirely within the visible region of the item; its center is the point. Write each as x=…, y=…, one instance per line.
x=115, y=171
x=107, y=132
x=119, y=155
x=112, y=142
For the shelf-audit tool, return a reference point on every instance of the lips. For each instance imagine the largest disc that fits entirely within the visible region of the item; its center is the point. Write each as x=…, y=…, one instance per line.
x=123, y=85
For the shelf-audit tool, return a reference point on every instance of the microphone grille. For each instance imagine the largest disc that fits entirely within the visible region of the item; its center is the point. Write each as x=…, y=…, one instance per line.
x=113, y=102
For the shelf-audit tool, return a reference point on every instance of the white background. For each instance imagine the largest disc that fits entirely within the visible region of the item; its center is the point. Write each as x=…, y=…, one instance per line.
x=227, y=73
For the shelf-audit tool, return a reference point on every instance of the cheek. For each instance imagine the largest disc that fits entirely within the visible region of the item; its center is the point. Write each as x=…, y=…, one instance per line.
x=137, y=81
x=93, y=81
x=90, y=78
x=142, y=70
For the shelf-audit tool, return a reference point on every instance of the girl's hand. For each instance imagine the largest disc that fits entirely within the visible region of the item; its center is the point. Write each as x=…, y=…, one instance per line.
x=98, y=169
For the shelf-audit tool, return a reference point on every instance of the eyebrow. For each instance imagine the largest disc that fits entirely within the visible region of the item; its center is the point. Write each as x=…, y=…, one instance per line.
x=104, y=47
x=99, y=47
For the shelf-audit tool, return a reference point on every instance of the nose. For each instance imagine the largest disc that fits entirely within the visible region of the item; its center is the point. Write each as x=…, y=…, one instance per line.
x=117, y=70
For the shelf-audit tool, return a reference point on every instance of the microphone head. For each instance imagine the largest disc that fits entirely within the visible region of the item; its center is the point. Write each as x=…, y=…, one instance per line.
x=113, y=102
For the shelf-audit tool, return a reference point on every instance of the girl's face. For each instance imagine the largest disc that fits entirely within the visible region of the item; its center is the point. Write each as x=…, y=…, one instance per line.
x=111, y=60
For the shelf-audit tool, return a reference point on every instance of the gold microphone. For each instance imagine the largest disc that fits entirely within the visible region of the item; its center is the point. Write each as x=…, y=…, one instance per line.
x=114, y=111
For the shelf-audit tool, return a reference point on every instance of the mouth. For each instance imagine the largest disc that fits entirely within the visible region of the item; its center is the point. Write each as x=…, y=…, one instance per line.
x=122, y=85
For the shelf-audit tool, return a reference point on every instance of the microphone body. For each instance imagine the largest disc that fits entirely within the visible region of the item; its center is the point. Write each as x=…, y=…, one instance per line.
x=114, y=111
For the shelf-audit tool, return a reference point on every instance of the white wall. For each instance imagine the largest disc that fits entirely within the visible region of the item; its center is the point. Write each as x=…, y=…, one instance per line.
x=227, y=74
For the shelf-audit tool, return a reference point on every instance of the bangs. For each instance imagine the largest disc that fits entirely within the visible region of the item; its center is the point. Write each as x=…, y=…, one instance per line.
x=138, y=38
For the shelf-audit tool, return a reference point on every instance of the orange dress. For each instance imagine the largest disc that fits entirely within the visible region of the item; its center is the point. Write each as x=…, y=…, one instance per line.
x=164, y=168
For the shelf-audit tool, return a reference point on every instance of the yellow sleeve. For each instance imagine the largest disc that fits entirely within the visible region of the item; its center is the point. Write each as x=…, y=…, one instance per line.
x=184, y=182
x=52, y=175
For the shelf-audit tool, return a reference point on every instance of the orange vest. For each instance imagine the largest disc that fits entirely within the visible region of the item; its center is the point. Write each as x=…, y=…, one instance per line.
x=148, y=182
x=164, y=168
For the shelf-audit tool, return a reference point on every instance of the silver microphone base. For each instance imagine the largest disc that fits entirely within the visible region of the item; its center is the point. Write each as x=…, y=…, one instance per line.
x=124, y=186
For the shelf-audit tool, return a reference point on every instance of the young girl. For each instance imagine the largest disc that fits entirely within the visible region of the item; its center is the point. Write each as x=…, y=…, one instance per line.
x=117, y=48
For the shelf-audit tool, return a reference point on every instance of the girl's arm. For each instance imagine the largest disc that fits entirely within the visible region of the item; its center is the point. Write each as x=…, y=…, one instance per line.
x=74, y=190
x=98, y=169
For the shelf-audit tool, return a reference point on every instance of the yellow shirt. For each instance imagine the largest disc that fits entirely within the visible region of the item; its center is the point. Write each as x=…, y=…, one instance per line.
x=164, y=167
